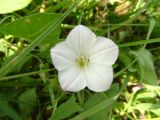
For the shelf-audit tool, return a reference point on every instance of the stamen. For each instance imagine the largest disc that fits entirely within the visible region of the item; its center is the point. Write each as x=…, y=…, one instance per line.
x=82, y=62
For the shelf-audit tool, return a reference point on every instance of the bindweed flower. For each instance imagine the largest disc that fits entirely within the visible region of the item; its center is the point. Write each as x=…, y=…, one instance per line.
x=84, y=60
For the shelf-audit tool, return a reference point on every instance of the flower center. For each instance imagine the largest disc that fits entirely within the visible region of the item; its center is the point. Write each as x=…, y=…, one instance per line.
x=82, y=61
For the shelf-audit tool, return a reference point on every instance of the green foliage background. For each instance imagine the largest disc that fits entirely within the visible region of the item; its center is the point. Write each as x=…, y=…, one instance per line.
x=29, y=87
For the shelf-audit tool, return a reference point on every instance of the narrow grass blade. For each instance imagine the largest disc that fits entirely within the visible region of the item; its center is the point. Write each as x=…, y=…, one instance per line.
x=104, y=104
x=151, y=27
x=59, y=5
x=141, y=42
x=8, y=110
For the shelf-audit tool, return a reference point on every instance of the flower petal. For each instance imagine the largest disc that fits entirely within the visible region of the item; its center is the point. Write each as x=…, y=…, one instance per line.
x=81, y=39
x=72, y=79
x=99, y=77
x=63, y=56
x=105, y=51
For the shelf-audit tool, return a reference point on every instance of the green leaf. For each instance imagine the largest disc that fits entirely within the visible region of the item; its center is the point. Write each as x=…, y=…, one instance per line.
x=147, y=70
x=125, y=58
x=62, y=4
x=107, y=102
x=94, y=100
x=20, y=65
x=93, y=110
x=8, y=6
x=156, y=118
x=119, y=106
x=66, y=109
x=98, y=98
x=113, y=91
x=156, y=112
x=27, y=100
x=52, y=27
x=8, y=110
x=30, y=27
x=145, y=107
x=146, y=96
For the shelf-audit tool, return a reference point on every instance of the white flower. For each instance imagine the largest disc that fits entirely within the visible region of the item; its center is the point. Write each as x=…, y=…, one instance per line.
x=84, y=60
